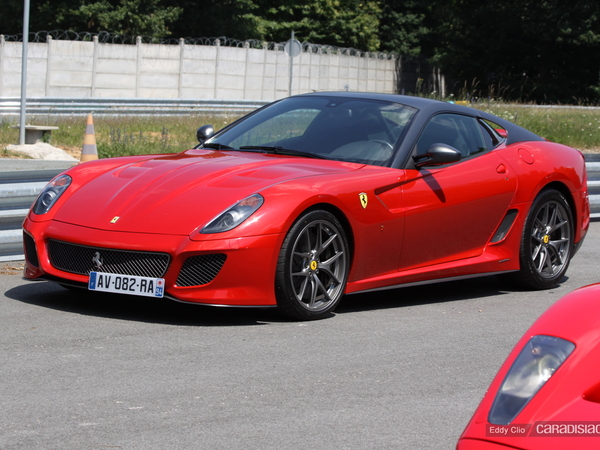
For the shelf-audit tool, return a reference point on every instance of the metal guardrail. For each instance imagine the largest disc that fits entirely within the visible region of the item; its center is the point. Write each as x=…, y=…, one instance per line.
x=19, y=189
x=124, y=106
x=592, y=164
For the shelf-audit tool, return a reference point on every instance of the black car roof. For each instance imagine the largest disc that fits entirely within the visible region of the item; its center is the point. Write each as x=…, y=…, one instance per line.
x=415, y=102
x=432, y=107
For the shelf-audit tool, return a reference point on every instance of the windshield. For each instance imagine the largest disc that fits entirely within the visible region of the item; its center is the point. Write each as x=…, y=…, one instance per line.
x=344, y=129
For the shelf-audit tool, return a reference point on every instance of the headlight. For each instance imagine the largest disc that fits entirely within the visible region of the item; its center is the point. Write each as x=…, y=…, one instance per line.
x=234, y=216
x=537, y=362
x=51, y=193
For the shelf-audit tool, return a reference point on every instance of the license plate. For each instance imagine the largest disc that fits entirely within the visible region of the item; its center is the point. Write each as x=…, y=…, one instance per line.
x=126, y=284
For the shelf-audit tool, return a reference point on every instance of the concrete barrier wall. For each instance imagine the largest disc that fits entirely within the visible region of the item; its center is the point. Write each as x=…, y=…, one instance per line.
x=79, y=69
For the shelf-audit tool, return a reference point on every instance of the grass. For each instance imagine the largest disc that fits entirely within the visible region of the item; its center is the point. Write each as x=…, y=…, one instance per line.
x=125, y=135
x=120, y=135
x=575, y=127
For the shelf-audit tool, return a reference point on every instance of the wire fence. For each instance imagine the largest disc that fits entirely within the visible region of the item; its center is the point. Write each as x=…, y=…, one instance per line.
x=104, y=37
x=83, y=65
x=411, y=74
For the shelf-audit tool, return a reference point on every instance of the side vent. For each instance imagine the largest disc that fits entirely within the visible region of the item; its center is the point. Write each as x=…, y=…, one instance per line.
x=30, y=250
x=504, y=227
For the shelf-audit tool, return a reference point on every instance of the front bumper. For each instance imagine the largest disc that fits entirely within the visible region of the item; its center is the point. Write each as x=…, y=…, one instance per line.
x=246, y=277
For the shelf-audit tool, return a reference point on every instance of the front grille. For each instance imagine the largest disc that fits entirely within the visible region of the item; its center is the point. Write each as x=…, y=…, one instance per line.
x=80, y=259
x=200, y=270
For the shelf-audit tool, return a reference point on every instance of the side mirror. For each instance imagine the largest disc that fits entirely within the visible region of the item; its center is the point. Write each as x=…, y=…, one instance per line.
x=204, y=132
x=437, y=154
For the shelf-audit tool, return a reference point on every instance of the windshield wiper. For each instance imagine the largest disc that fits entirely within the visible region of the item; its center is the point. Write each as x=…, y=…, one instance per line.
x=216, y=146
x=281, y=151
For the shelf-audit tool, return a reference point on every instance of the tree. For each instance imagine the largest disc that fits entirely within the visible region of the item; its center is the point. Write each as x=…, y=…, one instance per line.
x=11, y=18
x=133, y=17
x=231, y=18
x=539, y=50
x=403, y=26
x=343, y=23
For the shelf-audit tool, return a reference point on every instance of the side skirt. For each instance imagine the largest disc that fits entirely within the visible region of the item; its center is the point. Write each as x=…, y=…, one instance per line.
x=424, y=282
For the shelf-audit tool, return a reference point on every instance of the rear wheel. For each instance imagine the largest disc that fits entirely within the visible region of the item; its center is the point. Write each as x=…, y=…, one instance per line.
x=546, y=244
x=313, y=267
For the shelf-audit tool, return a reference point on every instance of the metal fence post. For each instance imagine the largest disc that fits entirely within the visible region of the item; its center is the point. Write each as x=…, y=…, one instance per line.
x=1, y=62
x=264, y=68
x=246, y=64
x=138, y=64
x=94, y=66
x=181, y=64
x=216, y=85
x=48, y=66
x=24, y=49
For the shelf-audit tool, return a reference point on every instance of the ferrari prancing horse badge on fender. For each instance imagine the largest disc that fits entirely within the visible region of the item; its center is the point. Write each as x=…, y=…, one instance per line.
x=363, y=199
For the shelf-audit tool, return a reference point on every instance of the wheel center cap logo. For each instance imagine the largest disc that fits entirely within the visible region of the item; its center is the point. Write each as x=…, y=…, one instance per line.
x=314, y=265
x=546, y=239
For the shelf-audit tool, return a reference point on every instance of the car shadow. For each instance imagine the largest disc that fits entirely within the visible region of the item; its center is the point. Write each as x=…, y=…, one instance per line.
x=165, y=311
x=440, y=292
x=139, y=309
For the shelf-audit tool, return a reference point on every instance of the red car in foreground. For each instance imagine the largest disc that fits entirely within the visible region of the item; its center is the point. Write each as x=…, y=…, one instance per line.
x=547, y=393
x=313, y=197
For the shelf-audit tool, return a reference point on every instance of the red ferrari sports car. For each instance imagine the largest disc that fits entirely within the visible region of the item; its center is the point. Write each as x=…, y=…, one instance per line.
x=313, y=197
x=546, y=394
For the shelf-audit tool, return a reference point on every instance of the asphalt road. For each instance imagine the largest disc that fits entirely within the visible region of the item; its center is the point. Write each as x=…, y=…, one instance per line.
x=400, y=369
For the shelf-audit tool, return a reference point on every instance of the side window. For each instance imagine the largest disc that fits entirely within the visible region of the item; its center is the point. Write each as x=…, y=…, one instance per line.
x=461, y=132
x=493, y=133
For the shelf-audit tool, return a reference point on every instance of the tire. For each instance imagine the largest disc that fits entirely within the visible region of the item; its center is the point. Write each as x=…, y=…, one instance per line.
x=546, y=244
x=313, y=265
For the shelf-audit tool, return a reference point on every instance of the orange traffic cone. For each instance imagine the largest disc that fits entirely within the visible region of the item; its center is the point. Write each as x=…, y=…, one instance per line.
x=89, y=152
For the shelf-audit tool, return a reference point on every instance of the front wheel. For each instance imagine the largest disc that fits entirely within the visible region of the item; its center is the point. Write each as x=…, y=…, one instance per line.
x=546, y=244
x=313, y=267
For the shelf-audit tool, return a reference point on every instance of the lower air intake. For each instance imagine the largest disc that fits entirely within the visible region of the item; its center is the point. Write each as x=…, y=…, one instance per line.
x=200, y=270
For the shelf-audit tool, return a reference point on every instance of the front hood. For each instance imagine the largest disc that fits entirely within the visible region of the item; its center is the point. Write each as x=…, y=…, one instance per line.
x=176, y=194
